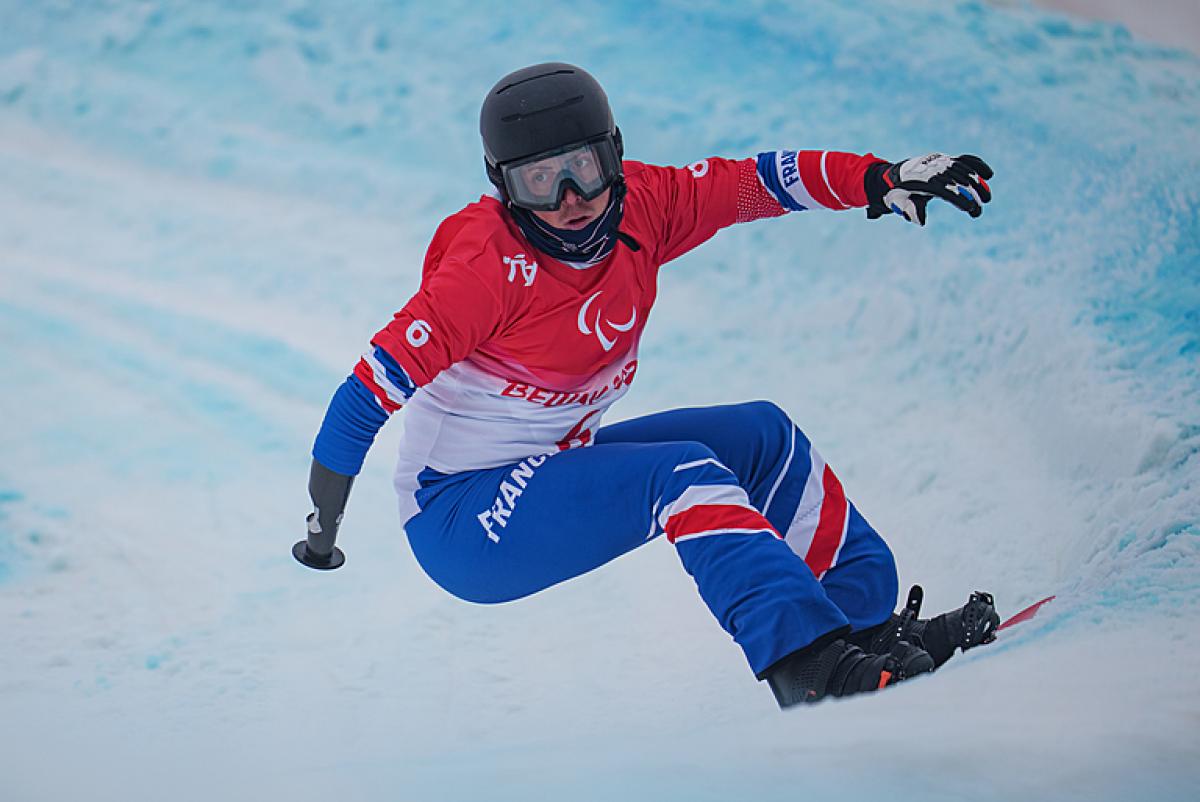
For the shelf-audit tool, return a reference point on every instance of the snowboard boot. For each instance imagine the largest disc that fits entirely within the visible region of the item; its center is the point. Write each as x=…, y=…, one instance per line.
x=839, y=668
x=970, y=625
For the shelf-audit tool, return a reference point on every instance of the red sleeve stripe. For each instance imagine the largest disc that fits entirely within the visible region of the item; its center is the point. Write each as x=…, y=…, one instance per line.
x=811, y=164
x=825, y=177
x=367, y=376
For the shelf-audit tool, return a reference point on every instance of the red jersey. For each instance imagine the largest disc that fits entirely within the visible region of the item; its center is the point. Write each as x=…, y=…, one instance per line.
x=512, y=353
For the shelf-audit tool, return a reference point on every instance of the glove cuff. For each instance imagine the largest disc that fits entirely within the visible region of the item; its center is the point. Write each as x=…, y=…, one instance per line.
x=878, y=181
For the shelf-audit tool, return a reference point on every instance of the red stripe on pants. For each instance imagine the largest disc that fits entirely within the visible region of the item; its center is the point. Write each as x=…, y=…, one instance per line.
x=709, y=517
x=830, y=527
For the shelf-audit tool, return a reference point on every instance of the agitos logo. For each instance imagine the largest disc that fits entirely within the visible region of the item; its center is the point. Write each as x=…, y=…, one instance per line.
x=595, y=327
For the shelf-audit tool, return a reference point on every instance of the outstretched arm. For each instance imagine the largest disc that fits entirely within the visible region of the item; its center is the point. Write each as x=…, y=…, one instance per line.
x=808, y=179
x=699, y=200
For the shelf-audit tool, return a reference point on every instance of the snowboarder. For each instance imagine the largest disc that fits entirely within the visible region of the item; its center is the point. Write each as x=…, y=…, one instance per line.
x=525, y=330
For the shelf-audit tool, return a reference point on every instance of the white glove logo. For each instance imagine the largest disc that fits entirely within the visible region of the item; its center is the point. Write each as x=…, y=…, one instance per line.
x=926, y=167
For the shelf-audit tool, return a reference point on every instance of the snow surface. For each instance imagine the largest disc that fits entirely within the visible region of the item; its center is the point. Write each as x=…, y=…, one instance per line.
x=1171, y=22
x=207, y=208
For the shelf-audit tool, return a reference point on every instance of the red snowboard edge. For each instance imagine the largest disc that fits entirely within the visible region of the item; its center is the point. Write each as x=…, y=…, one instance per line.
x=1026, y=614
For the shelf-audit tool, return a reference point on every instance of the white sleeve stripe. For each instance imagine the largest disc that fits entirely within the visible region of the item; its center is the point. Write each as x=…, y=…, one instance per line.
x=380, y=375
x=825, y=177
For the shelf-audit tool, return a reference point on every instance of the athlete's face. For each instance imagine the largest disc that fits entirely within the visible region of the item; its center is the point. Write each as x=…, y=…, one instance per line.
x=574, y=212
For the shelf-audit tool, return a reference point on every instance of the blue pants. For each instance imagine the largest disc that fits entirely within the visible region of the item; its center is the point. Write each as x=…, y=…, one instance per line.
x=778, y=553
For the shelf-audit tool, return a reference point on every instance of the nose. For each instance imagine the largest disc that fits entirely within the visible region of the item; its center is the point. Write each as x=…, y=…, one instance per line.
x=571, y=197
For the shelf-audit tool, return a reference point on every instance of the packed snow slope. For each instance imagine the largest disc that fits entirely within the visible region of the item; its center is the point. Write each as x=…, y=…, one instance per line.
x=206, y=209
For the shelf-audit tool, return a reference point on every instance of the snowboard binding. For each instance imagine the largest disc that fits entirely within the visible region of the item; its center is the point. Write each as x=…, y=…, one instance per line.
x=971, y=625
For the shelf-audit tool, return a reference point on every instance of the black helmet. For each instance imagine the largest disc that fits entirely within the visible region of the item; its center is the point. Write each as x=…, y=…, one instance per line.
x=545, y=111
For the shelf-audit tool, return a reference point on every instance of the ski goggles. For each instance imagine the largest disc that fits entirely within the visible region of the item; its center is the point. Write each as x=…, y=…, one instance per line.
x=540, y=182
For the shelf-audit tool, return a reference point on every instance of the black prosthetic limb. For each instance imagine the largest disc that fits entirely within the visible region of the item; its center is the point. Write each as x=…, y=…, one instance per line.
x=329, y=491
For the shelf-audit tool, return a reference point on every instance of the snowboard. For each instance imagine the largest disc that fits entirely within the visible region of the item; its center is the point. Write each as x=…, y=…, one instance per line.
x=1026, y=614
x=917, y=595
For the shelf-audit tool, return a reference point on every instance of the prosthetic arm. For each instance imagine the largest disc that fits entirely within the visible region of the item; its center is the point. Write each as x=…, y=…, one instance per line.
x=329, y=491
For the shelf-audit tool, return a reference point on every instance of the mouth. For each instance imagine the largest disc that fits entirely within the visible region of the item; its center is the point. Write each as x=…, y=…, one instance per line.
x=577, y=221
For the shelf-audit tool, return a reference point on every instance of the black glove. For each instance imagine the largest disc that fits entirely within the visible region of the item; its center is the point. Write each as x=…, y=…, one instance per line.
x=329, y=491
x=906, y=187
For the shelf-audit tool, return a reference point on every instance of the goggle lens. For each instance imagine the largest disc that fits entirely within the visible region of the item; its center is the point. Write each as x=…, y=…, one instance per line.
x=541, y=182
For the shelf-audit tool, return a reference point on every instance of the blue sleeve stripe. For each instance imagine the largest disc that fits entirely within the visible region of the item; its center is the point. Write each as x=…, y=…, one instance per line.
x=768, y=171
x=351, y=422
x=388, y=377
x=396, y=374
